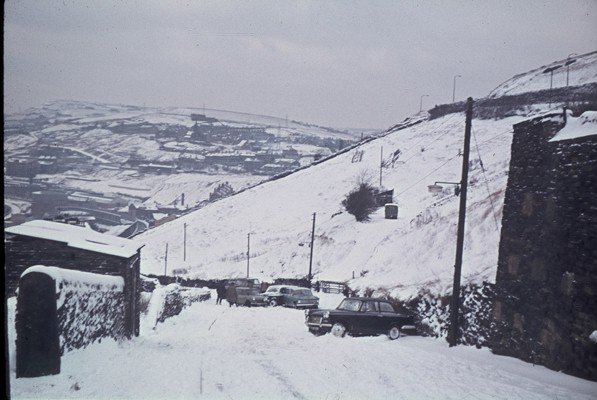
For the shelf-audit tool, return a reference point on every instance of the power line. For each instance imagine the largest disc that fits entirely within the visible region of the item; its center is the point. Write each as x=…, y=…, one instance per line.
x=434, y=131
x=497, y=228
x=426, y=176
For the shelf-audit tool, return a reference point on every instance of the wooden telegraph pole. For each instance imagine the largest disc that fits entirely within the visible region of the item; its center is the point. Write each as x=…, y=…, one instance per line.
x=311, y=256
x=166, y=260
x=380, y=166
x=248, y=249
x=184, y=257
x=455, y=303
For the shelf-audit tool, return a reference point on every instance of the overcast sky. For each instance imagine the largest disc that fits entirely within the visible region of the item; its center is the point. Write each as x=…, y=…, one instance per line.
x=338, y=63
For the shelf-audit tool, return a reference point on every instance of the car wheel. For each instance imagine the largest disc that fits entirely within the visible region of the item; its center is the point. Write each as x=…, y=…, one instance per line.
x=338, y=329
x=394, y=332
x=273, y=302
x=247, y=303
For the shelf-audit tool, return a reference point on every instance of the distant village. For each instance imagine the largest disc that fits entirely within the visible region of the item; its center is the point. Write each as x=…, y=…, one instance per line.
x=208, y=146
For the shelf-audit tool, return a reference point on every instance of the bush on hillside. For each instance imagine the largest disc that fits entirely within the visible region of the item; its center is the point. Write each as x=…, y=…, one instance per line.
x=360, y=202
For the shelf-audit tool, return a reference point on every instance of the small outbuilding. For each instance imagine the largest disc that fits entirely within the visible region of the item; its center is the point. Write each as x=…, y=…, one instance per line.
x=76, y=248
x=391, y=211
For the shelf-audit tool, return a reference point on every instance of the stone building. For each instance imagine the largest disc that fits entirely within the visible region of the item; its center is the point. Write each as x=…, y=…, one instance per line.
x=75, y=248
x=545, y=309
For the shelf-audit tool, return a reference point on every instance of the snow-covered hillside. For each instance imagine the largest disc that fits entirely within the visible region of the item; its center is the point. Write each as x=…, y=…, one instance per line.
x=580, y=72
x=404, y=255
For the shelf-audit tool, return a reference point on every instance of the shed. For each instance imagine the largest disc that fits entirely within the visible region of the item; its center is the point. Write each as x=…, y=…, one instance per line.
x=391, y=211
x=77, y=248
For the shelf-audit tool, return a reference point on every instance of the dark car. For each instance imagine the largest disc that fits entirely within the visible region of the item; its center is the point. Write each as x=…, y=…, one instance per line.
x=360, y=316
x=249, y=297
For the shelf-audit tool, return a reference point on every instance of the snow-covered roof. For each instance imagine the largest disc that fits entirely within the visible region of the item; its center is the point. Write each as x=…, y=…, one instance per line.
x=77, y=237
x=585, y=125
x=70, y=275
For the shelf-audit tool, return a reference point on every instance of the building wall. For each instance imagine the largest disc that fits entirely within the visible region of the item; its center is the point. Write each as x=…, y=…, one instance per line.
x=546, y=284
x=22, y=252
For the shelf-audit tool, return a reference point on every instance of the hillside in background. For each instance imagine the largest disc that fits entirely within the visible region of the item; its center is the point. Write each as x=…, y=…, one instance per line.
x=402, y=256
x=164, y=160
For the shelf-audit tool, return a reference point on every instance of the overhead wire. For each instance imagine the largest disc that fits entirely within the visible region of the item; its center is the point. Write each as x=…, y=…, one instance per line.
x=413, y=146
x=427, y=175
x=497, y=227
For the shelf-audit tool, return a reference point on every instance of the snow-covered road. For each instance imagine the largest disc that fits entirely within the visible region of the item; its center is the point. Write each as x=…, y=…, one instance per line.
x=215, y=352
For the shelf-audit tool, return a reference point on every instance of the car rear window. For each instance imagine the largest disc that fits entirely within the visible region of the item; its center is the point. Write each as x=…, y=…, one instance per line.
x=272, y=289
x=370, y=306
x=386, y=307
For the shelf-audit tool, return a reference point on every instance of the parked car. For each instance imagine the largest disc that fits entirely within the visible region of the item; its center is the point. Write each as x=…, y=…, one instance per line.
x=291, y=296
x=249, y=297
x=244, y=292
x=359, y=316
x=244, y=282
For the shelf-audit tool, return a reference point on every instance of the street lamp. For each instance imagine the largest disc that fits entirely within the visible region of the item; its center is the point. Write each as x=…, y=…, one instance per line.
x=568, y=62
x=454, y=88
x=550, y=71
x=421, y=103
x=436, y=188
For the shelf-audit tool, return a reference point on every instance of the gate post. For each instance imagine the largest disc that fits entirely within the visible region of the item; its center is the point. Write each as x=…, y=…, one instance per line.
x=38, y=343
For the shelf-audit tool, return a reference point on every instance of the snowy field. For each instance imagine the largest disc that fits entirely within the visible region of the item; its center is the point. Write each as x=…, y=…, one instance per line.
x=218, y=352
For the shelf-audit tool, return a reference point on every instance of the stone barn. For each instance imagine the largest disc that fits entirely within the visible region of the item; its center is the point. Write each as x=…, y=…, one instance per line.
x=75, y=248
x=545, y=309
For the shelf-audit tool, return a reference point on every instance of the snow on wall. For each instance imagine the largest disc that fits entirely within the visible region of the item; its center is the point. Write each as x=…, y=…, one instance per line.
x=585, y=125
x=168, y=301
x=89, y=306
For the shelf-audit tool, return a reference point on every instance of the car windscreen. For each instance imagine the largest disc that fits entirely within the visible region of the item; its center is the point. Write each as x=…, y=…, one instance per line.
x=302, y=293
x=350, y=305
x=272, y=290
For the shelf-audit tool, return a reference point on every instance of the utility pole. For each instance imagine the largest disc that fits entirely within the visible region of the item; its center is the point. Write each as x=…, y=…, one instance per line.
x=454, y=88
x=550, y=71
x=455, y=304
x=184, y=257
x=568, y=62
x=166, y=260
x=311, y=256
x=380, y=166
x=248, y=249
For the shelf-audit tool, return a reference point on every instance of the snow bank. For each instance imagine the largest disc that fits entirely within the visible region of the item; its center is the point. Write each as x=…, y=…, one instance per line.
x=168, y=301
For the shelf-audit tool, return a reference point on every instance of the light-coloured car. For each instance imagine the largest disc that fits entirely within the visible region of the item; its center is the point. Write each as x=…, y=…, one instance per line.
x=291, y=296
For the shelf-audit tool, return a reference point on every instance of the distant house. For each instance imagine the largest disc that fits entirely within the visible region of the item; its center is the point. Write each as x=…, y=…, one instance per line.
x=291, y=153
x=47, y=202
x=73, y=247
x=22, y=168
x=157, y=168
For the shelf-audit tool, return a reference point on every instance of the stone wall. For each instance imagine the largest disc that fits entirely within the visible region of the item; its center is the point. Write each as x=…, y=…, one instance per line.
x=21, y=252
x=546, y=285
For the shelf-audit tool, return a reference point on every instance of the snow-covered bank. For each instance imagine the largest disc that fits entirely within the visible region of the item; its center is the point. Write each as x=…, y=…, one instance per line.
x=216, y=352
